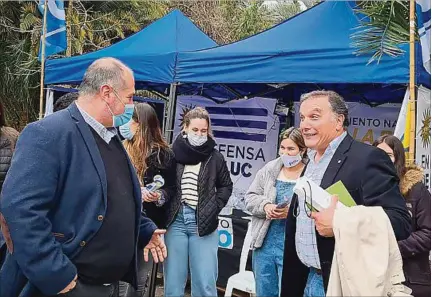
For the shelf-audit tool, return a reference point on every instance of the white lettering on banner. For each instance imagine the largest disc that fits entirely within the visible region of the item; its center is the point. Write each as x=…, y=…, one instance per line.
x=423, y=133
x=367, y=123
x=246, y=133
x=225, y=231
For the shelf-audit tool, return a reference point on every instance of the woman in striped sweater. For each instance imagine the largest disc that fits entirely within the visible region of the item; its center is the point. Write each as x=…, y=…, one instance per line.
x=203, y=188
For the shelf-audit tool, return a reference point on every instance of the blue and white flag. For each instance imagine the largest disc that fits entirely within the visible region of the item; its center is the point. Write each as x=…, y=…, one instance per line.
x=423, y=9
x=55, y=38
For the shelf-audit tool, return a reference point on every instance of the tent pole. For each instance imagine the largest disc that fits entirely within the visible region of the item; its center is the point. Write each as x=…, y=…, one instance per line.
x=412, y=101
x=170, y=116
x=43, y=38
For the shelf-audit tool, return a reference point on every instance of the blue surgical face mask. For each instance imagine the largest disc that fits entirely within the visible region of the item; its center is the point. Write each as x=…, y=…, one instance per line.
x=126, y=131
x=125, y=117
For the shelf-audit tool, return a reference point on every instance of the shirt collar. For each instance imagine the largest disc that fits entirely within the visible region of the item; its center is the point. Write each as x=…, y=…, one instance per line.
x=105, y=133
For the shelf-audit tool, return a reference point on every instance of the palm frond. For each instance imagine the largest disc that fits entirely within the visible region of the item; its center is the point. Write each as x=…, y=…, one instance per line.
x=384, y=27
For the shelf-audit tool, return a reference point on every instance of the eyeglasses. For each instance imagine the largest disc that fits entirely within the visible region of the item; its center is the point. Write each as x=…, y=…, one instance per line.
x=307, y=206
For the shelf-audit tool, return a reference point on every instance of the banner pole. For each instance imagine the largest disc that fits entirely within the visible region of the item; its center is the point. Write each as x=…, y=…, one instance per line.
x=412, y=101
x=43, y=60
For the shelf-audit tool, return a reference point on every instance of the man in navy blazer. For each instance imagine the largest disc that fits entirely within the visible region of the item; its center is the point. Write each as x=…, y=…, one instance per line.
x=71, y=202
x=367, y=173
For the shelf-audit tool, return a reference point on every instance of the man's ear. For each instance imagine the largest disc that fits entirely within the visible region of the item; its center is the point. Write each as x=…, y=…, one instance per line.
x=340, y=119
x=105, y=91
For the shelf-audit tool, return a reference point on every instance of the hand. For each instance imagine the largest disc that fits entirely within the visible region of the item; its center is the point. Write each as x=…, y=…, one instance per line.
x=156, y=246
x=148, y=196
x=280, y=213
x=324, y=219
x=268, y=208
x=69, y=287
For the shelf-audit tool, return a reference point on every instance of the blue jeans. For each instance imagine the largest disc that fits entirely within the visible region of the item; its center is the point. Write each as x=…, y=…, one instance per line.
x=314, y=285
x=267, y=267
x=188, y=250
x=267, y=261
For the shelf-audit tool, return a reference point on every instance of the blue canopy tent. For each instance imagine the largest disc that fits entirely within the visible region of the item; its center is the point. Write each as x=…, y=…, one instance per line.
x=312, y=50
x=312, y=47
x=150, y=53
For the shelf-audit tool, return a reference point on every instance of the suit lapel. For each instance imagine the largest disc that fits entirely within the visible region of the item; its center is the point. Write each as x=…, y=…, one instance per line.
x=91, y=146
x=336, y=162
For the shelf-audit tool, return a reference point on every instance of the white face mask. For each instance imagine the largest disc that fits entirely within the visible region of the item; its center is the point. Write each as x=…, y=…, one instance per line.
x=291, y=161
x=196, y=140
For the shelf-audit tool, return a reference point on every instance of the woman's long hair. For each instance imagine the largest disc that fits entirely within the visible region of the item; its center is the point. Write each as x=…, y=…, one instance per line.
x=398, y=152
x=148, y=138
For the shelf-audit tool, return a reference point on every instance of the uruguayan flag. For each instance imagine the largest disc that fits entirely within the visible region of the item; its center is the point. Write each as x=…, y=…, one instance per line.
x=55, y=38
x=423, y=9
x=403, y=125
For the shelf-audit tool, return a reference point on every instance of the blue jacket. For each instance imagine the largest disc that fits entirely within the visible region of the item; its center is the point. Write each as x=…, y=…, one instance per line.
x=52, y=201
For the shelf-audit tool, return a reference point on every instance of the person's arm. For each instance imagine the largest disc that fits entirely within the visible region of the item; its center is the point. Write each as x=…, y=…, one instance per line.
x=419, y=241
x=28, y=195
x=380, y=187
x=224, y=184
x=169, y=174
x=147, y=228
x=254, y=198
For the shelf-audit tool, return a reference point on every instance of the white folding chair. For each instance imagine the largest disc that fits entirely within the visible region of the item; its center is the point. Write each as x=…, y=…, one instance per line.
x=244, y=280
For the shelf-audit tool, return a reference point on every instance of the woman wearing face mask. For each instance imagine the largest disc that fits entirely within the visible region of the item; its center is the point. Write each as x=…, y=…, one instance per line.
x=151, y=156
x=416, y=248
x=203, y=188
x=268, y=200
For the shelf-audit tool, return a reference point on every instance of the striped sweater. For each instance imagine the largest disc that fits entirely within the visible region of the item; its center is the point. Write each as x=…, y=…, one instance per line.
x=189, y=185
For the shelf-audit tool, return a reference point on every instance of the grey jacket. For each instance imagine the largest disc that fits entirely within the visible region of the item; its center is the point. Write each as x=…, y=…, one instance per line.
x=261, y=192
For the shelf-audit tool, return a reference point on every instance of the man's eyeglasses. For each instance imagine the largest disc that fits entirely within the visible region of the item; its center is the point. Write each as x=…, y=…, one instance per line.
x=308, y=207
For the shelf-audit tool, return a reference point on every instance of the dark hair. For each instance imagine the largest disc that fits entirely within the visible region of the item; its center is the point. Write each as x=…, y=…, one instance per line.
x=147, y=138
x=295, y=135
x=337, y=102
x=64, y=101
x=398, y=151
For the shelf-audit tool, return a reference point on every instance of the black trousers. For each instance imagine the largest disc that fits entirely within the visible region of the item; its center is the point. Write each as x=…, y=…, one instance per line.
x=419, y=290
x=146, y=280
x=86, y=290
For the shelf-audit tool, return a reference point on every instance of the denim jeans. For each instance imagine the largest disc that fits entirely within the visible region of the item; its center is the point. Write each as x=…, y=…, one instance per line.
x=267, y=261
x=186, y=249
x=314, y=285
x=267, y=268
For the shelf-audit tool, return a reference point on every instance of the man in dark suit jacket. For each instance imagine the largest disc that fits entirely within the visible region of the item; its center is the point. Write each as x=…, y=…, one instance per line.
x=366, y=172
x=71, y=203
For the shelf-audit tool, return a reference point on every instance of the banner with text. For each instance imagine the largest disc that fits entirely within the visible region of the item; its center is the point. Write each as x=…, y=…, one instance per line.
x=246, y=133
x=423, y=131
x=366, y=123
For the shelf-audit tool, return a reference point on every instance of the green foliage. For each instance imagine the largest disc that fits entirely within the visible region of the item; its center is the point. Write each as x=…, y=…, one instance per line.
x=384, y=27
x=92, y=25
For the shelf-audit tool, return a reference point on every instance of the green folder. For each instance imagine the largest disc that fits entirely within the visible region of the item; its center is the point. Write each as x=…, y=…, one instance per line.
x=341, y=191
